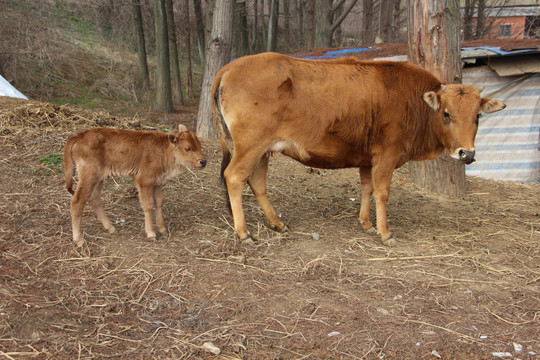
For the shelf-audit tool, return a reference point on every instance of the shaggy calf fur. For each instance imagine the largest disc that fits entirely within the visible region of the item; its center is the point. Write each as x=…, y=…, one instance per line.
x=148, y=157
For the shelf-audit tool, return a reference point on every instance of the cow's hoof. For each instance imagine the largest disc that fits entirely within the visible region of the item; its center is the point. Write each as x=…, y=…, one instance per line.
x=79, y=242
x=248, y=240
x=390, y=242
x=279, y=228
x=111, y=230
x=371, y=231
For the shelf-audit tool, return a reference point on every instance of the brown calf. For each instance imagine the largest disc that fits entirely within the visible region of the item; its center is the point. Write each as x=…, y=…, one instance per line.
x=149, y=157
x=372, y=115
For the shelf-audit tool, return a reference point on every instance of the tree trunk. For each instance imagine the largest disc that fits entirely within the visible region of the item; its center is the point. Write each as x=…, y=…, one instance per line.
x=187, y=36
x=163, y=86
x=309, y=21
x=387, y=18
x=178, y=98
x=273, y=26
x=240, y=37
x=323, y=23
x=201, y=38
x=255, y=28
x=368, y=32
x=218, y=54
x=144, y=77
x=481, y=19
x=434, y=43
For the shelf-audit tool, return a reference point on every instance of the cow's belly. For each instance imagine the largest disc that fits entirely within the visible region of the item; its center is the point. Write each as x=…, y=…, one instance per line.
x=326, y=155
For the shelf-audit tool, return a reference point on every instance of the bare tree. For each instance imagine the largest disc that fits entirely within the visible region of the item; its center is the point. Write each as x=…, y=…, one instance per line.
x=144, y=77
x=184, y=17
x=273, y=26
x=217, y=55
x=178, y=98
x=201, y=37
x=325, y=24
x=434, y=43
x=163, y=86
x=368, y=22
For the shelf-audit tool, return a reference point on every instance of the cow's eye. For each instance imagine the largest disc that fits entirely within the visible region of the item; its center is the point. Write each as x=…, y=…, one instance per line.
x=187, y=149
x=446, y=118
x=478, y=119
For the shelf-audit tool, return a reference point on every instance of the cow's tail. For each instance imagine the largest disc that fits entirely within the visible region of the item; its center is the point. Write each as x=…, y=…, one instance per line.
x=222, y=133
x=68, y=163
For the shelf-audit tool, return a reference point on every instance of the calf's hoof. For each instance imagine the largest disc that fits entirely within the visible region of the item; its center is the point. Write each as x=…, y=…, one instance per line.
x=111, y=230
x=390, y=241
x=371, y=231
x=79, y=241
x=281, y=228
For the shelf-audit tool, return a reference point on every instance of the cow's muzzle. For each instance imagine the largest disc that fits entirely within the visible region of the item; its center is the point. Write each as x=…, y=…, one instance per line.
x=202, y=163
x=466, y=156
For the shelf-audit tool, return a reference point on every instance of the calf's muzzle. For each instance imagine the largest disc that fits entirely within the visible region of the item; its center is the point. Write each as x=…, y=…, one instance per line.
x=466, y=156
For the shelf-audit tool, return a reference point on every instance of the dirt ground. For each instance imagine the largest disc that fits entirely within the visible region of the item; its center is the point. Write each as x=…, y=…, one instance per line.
x=462, y=284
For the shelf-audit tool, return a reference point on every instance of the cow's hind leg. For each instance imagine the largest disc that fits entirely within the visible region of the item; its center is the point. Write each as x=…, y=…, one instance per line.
x=367, y=190
x=95, y=202
x=257, y=182
x=158, y=205
x=146, y=198
x=236, y=175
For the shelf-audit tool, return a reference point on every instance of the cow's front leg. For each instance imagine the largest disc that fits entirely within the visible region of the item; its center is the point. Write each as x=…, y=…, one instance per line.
x=146, y=197
x=366, y=186
x=381, y=177
x=257, y=182
x=158, y=205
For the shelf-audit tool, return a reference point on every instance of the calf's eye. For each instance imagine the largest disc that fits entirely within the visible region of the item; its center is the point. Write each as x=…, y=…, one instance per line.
x=187, y=149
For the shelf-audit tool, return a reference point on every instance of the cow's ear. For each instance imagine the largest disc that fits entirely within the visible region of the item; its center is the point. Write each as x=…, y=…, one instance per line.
x=182, y=128
x=432, y=100
x=173, y=139
x=491, y=105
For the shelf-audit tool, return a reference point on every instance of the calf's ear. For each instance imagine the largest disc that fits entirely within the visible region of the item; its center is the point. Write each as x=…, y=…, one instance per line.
x=491, y=105
x=182, y=128
x=173, y=139
x=432, y=100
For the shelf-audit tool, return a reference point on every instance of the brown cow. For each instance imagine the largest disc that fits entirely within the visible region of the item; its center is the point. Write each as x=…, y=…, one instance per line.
x=374, y=115
x=149, y=157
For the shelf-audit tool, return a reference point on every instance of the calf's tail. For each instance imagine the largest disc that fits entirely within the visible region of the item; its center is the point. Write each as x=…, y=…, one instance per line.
x=225, y=142
x=68, y=164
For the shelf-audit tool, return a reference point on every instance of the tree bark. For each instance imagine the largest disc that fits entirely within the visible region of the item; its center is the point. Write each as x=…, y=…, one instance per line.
x=201, y=38
x=323, y=23
x=273, y=26
x=144, y=77
x=178, y=98
x=163, y=86
x=187, y=36
x=368, y=31
x=218, y=54
x=434, y=43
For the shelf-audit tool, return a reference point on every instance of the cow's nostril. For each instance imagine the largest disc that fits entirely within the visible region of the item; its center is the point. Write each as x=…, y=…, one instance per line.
x=202, y=163
x=466, y=156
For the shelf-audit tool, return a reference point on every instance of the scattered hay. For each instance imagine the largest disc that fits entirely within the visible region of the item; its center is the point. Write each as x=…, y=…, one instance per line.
x=463, y=282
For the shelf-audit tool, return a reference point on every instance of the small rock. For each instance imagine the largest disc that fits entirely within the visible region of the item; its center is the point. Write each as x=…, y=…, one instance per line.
x=436, y=354
x=334, y=333
x=208, y=346
x=502, y=354
x=315, y=236
x=518, y=347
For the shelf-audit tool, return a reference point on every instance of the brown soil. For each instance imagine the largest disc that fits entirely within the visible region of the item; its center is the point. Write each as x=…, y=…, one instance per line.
x=462, y=284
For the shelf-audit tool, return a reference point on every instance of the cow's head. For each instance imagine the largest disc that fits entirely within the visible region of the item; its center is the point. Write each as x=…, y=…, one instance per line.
x=459, y=107
x=187, y=148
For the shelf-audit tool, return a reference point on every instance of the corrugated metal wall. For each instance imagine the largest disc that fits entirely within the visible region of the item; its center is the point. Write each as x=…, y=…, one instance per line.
x=507, y=143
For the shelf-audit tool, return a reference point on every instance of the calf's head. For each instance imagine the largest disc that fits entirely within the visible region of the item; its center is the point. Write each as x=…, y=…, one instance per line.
x=187, y=148
x=459, y=108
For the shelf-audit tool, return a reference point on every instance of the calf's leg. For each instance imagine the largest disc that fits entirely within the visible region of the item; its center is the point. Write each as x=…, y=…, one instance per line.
x=257, y=182
x=158, y=205
x=146, y=198
x=95, y=201
x=83, y=192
